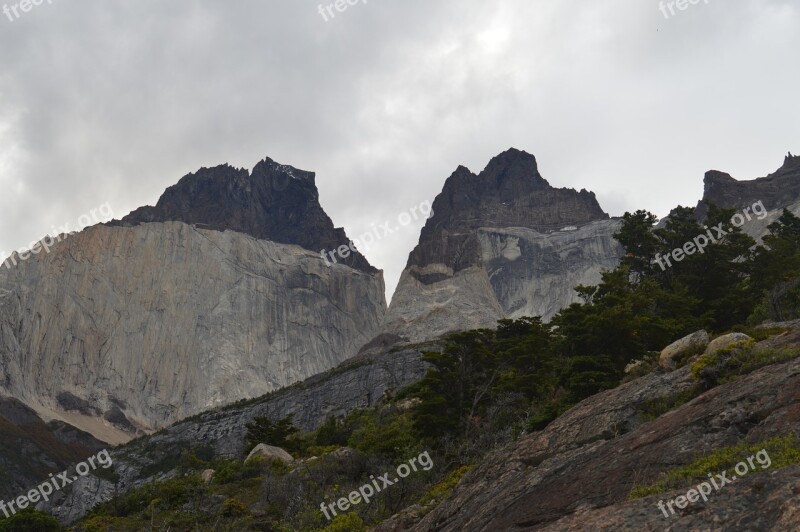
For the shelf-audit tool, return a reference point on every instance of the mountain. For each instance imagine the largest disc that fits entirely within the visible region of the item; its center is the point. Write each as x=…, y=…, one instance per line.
x=216, y=294
x=500, y=244
x=776, y=191
x=274, y=202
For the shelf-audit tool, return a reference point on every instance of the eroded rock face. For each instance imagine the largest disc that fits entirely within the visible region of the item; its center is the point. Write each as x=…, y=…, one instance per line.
x=500, y=244
x=149, y=324
x=697, y=342
x=756, y=502
x=216, y=294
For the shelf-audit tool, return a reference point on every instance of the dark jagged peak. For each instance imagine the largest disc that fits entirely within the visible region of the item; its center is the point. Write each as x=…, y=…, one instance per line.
x=791, y=163
x=273, y=202
x=509, y=192
x=779, y=189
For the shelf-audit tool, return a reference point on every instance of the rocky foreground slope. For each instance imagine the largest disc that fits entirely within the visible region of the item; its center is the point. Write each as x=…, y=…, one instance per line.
x=500, y=244
x=578, y=473
x=185, y=306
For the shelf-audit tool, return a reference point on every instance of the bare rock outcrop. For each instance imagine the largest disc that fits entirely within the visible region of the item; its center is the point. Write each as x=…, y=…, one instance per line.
x=500, y=244
x=140, y=323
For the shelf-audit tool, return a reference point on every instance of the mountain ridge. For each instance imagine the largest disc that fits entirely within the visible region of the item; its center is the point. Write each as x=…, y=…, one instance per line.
x=274, y=202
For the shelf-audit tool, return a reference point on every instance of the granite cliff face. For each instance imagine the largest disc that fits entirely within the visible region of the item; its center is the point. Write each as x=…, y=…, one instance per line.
x=502, y=243
x=137, y=324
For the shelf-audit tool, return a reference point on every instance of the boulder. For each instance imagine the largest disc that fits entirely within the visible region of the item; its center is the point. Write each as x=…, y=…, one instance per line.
x=680, y=348
x=207, y=475
x=269, y=453
x=726, y=340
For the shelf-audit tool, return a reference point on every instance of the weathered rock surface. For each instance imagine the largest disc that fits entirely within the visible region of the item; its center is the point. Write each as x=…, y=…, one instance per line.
x=769, y=501
x=270, y=452
x=726, y=340
x=582, y=467
x=500, y=244
x=141, y=324
x=696, y=341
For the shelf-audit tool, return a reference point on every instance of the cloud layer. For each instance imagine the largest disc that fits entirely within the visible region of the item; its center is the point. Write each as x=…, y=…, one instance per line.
x=114, y=101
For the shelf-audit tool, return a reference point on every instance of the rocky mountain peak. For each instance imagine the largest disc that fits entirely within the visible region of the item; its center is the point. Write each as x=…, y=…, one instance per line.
x=778, y=189
x=274, y=202
x=513, y=169
x=791, y=162
x=509, y=192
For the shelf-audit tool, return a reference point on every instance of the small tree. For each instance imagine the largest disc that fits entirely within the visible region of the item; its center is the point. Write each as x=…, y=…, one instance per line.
x=276, y=433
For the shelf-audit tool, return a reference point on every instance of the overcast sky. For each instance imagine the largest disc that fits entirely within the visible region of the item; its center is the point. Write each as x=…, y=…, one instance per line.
x=113, y=101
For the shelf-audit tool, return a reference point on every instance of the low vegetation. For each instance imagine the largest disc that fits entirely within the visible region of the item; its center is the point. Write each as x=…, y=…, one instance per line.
x=738, y=359
x=783, y=452
x=485, y=388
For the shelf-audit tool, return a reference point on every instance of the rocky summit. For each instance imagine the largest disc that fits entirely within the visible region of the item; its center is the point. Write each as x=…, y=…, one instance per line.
x=274, y=202
x=216, y=294
x=777, y=190
x=502, y=243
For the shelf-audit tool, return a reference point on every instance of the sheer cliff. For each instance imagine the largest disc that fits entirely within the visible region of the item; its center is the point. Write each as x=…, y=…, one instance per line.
x=216, y=294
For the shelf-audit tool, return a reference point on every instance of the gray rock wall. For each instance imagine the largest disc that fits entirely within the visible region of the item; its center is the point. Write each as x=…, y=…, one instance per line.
x=522, y=272
x=160, y=321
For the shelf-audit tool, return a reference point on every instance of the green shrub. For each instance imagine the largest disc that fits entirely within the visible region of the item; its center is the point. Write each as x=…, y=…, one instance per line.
x=30, y=520
x=233, y=508
x=736, y=360
x=350, y=522
x=389, y=436
x=228, y=471
x=655, y=408
x=443, y=489
x=276, y=433
x=783, y=451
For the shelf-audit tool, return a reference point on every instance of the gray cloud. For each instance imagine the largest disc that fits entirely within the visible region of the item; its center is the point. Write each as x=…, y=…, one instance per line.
x=114, y=101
